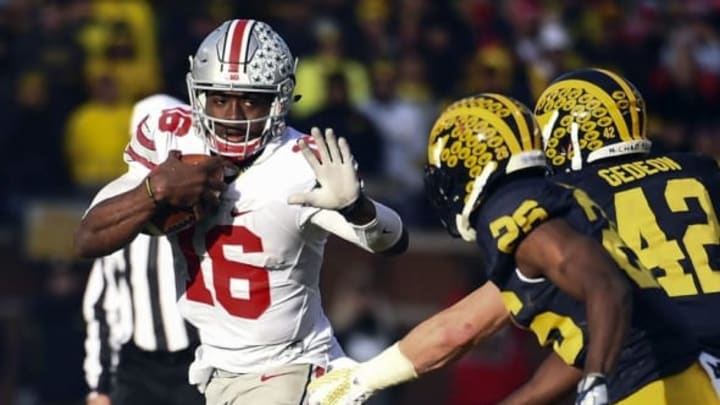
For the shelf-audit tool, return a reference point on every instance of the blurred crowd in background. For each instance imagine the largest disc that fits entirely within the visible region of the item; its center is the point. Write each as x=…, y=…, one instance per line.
x=378, y=71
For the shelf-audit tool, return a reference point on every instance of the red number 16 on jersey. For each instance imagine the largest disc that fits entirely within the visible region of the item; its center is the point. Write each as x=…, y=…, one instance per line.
x=224, y=271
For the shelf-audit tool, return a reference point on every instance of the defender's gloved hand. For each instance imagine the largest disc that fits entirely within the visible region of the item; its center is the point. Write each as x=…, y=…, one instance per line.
x=357, y=383
x=592, y=390
x=338, y=387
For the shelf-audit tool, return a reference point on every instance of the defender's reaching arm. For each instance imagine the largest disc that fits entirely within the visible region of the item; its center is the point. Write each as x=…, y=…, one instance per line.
x=432, y=344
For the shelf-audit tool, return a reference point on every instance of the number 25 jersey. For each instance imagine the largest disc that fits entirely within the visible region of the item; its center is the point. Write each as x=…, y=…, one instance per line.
x=656, y=344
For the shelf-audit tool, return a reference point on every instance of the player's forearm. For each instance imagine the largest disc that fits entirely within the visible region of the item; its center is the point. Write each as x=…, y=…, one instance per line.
x=608, y=305
x=437, y=341
x=580, y=267
x=440, y=348
x=552, y=380
x=113, y=223
x=448, y=334
x=608, y=317
x=383, y=234
x=430, y=345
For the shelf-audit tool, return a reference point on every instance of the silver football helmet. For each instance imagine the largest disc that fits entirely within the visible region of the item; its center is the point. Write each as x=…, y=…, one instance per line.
x=242, y=56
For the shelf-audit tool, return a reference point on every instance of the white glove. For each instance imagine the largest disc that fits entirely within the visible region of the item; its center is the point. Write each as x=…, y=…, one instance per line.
x=592, y=390
x=338, y=387
x=335, y=170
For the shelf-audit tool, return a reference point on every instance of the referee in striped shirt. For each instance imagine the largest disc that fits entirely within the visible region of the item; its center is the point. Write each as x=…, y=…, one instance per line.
x=138, y=348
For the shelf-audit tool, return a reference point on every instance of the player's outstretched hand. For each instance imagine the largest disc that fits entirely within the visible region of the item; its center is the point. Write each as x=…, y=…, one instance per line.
x=335, y=170
x=184, y=185
x=340, y=386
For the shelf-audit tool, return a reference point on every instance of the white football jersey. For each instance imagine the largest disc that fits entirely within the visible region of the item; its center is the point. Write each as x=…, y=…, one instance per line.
x=252, y=269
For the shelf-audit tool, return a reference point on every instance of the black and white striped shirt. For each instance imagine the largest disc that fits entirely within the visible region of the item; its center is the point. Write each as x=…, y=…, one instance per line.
x=132, y=294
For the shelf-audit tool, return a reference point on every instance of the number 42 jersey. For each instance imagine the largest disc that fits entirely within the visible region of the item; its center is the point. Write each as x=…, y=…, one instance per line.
x=657, y=344
x=249, y=274
x=665, y=208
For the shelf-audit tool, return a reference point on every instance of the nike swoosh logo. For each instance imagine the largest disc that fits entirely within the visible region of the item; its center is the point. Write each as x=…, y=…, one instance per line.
x=235, y=213
x=266, y=377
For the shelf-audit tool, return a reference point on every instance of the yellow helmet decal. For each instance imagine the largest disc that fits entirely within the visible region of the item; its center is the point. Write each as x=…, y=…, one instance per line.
x=633, y=100
x=475, y=131
x=523, y=126
x=591, y=114
x=482, y=126
x=476, y=141
x=590, y=100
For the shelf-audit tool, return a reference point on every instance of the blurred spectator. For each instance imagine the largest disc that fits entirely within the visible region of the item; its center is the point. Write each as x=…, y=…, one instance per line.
x=43, y=80
x=329, y=57
x=120, y=41
x=291, y=19
x=524, y=17
x=640, y=44
x=668, y=135
x=555, y=56
x=94, y=134
x=33, y=129
x=597, y=31
x=181, y=28
x=484, y=19
x=491, y=70
x=444, y=40
x=412, y=80
x=706, y=139
x=363, y=323
x=351, y=123
x=373, y=19
x=688, y=81
x=404, y=127
x=56, y=351
x=49, y=47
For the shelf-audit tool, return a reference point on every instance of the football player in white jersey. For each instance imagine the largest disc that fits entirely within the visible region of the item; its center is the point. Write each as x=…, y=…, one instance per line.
x=250, y=269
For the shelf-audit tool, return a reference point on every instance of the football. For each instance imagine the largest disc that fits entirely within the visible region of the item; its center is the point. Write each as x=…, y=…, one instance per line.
x=170, y=219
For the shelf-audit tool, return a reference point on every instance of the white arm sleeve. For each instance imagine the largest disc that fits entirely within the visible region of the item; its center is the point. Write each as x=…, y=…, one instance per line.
x=376, y=236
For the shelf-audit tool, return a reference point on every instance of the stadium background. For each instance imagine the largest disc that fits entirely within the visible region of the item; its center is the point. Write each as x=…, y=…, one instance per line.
x=377, y=71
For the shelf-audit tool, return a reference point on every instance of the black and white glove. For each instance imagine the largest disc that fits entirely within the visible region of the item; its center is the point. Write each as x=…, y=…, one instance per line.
x=592, y=390
x=335, y=170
